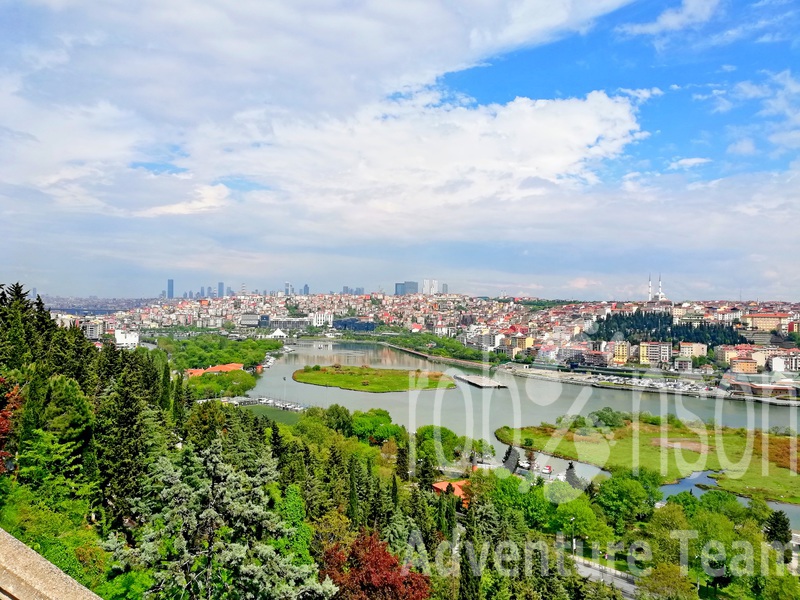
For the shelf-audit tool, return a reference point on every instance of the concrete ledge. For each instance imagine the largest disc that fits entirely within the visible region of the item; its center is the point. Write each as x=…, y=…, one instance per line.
x=25, y=575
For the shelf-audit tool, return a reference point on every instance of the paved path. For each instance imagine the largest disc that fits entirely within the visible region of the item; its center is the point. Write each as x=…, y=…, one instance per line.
x=595, y=572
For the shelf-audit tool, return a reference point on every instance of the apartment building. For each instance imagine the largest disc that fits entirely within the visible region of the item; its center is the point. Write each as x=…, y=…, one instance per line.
x=655, y=353
x=692, y=349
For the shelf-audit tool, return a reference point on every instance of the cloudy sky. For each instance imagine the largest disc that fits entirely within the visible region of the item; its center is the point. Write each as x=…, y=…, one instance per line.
x=554, y=148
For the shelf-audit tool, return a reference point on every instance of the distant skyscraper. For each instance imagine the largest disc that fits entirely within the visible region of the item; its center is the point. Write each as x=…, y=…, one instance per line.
x=191, y=295
x=202, y=291
x=286, y=287
x=220, y=290
x=346, y=290
x=445, y=288
x=305, y=290
x=359, y=291
x=34, y=293
x=430, y=287
x=170, y=289
x=399, y=289
x=412, y=287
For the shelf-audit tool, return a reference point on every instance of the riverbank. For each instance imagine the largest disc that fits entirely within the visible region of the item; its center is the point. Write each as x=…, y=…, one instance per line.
x=751, y=464
x=372, y=380
x=483, y=366
x=649, y=387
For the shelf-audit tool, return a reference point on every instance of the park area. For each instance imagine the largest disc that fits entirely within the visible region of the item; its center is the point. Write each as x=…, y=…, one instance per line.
x=369, y=379
x=748, y=463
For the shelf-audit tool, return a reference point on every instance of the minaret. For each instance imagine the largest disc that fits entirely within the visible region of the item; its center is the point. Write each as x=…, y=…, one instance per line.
x=660, y=293
x=649, y=288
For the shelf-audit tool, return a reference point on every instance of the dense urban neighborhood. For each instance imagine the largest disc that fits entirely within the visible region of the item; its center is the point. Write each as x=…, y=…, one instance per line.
x=750, y=347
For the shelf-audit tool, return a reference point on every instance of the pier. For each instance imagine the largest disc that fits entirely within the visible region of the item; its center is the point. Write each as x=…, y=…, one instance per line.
x=480, y=381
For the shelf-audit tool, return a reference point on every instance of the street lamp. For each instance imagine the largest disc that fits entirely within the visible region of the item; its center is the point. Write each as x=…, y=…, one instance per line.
x=572, y=524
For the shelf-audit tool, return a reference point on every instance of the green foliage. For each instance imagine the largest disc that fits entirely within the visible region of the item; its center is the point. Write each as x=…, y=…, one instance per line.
x=374, y=426
x=623, y=500
x=213, y=385
x=61, y=535
x=203, y=351
x=658, y=327
x=438, y=443
x=209, y=529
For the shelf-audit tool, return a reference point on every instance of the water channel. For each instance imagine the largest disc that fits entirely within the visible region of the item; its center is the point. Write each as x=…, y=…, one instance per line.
x=479, y=412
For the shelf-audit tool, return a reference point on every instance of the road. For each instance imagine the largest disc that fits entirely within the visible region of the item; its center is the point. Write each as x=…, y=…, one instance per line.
x=595, y=572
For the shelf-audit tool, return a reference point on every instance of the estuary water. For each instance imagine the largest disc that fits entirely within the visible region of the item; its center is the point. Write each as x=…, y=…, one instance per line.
x=475, y=412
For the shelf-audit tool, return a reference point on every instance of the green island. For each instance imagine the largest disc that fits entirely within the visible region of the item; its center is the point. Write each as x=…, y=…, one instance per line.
x=754, y=464
x=370, y=379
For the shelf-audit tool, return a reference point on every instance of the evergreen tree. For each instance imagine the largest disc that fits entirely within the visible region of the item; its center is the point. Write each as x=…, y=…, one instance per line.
x=395, y=491
x=469, y=581
x=121, y=438
x=402, y=462
x=778, y=529
x=353, y=507
x=208, y=533
x=420, y=513
x=427, y=473
x=572, y=477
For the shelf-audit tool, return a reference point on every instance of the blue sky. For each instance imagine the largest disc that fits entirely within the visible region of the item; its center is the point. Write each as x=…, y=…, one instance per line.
x=551, y=148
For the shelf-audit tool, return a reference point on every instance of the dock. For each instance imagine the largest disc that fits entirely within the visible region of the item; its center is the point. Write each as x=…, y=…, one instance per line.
x=480, y=381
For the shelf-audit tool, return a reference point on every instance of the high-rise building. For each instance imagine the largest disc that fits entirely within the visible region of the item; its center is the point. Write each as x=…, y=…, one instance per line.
x=412, y=287
x=220, y=289
x=445, y=288
x=202, y=291
x=430, y=287
x=399, y=289
x=359, y=291
x=305, y=290
x=170, y=289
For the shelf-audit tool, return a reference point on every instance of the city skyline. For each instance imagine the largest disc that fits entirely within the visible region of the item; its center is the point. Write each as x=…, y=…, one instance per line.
x=554, y=151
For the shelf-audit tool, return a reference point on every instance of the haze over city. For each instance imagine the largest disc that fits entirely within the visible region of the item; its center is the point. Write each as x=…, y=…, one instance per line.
x=552, y=149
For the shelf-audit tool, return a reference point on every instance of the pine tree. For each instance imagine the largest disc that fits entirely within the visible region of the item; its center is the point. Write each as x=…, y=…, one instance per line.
x=395, y=491
x=427, y=473
x=402, y=462
x=209, y=532
x=572, y=477
x=121, y=435
x=778, y=529
x=353, y=507
x=469, y=582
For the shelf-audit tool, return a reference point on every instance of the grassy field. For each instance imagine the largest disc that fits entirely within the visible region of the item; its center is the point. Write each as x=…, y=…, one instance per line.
x=368, y=379
x=755, y=465
x=276, y=414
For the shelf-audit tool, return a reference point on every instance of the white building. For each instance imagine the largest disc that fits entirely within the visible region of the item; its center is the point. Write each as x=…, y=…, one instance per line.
x=322, y=319
x=127, y=340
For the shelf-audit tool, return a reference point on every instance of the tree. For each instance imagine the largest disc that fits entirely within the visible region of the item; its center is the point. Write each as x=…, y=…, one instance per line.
x=427, y=473
x=778, y=530
x=572, y=477
x=121, y=444
x=208, y=533
x=339, y=419
x=469, y=579
x=11, y=401
x=622, y=501
x=366, y=570
x=665, y=582
x=402, y=462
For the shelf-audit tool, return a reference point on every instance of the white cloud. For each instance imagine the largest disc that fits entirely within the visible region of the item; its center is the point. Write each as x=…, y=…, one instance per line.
x=208, y=198
x=688, y=163
x=642, y=94
x=744, y=147
x=690, y=13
